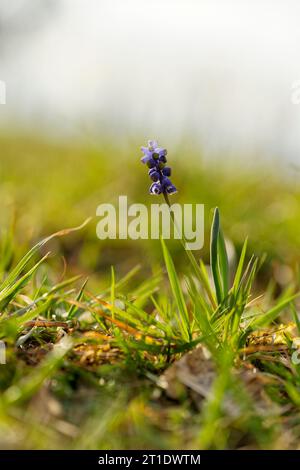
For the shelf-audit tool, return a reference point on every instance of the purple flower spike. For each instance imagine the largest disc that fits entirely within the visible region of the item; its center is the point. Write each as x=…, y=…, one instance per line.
x=154, y=174
x=144, y=159
x=161, y=152
x=155, y=189
x=151, y=163
x=165, y=181
x=147, y=154
x=152, y=144
x=171, y=189
x=168, y=187
x=162, y=159
x=155, y=158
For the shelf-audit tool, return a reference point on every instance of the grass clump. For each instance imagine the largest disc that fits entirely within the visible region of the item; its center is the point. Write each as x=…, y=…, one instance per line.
x=200, y=361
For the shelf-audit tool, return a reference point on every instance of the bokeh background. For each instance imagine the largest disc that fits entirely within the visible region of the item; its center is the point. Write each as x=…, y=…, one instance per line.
x=87, y=83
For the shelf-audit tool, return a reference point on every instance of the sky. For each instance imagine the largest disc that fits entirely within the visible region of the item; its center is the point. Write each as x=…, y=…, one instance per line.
x=220, y=72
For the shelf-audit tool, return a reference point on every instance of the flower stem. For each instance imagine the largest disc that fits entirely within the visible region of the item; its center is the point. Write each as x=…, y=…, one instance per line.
x=191, y=257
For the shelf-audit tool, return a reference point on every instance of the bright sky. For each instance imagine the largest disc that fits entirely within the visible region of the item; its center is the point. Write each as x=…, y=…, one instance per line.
x=218, y=70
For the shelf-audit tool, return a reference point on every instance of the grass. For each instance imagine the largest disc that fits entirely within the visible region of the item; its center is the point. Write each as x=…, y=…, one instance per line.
x=88, y=359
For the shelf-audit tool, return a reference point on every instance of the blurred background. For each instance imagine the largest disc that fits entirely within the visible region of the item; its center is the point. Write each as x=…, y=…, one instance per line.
x=214, y=81
x=220, y=71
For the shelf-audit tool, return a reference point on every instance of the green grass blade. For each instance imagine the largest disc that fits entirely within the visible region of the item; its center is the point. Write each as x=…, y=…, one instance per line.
x=11, y=290
x=73, y=309
x=15, y=273
x=295, y=316
x=239, y=270
x=177, y=292
x=223, y=263
x=273, y=313
x=113, y=292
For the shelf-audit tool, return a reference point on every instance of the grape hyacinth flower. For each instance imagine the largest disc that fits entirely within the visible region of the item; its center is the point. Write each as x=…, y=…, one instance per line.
x=155, y=158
